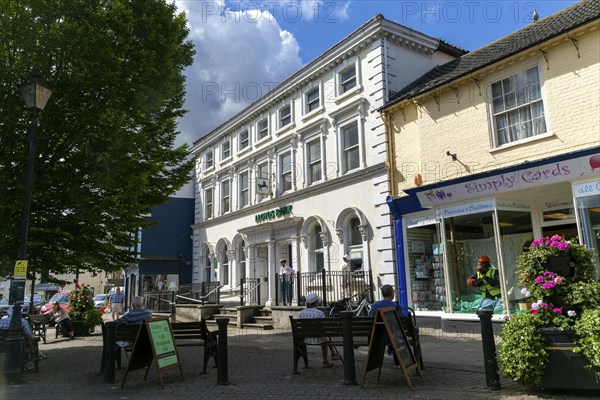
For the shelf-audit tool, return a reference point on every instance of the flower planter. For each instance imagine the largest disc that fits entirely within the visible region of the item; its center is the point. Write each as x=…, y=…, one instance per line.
x=566, y=369
x=81, y=329
x=560, y=265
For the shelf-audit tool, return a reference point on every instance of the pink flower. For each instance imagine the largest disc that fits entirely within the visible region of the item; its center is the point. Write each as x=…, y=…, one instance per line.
x=558, y=280
x=539, y=279
x=533, y=311
x=557, y=310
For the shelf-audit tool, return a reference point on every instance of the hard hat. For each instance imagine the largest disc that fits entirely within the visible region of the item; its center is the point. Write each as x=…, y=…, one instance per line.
x=484, y=259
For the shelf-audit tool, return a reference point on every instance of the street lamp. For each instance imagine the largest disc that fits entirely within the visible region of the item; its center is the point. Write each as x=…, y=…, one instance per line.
x=36, y=95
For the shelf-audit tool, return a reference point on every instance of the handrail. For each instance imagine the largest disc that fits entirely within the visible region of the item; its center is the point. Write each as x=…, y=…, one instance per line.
x=202, y=297
x=250, y=291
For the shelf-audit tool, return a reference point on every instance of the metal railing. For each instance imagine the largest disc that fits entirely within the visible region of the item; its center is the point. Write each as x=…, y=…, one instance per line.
x=249, y=291
x=159, y=302
x=204, y=292
x=329, y=285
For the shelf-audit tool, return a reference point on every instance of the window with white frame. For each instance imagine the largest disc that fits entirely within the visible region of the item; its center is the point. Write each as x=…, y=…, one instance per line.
x=263, y=180
x=209, y=159
x=285, y=115
x=224, y=267
x=312, y=100
x=243, y=140
x=225, y=150
x=314, y=164
x=208, y=202
x=285, y=172
x=347, y=79
x=241, y=262
x=350, y=147
x=244, y=189
x=225, y=196
x=517, y=107
x=262, y=129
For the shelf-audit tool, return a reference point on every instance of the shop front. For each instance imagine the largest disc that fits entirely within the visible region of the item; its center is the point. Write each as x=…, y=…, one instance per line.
x=443, y=229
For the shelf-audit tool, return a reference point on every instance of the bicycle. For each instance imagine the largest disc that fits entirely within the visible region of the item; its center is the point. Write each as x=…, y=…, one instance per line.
x=346, y=304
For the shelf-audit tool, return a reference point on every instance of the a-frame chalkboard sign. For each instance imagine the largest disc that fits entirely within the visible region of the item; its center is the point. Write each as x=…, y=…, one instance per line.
x=154, y=342
x=387, y=329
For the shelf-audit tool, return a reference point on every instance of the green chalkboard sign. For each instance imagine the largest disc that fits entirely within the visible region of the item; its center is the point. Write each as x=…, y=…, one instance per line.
x=154, y=341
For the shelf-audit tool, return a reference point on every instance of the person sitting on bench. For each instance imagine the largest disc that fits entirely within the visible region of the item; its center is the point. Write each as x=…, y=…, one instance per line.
x=137, y=314
x=32, y=340
x=311, y=311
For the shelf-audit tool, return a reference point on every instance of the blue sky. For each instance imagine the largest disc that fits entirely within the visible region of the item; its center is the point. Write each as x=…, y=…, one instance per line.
x=245, y=47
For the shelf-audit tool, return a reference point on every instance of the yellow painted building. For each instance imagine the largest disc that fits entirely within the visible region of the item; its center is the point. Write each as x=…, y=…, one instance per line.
x=492, y=150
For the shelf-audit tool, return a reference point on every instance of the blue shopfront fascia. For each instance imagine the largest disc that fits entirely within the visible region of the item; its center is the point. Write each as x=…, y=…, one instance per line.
x=566, y=167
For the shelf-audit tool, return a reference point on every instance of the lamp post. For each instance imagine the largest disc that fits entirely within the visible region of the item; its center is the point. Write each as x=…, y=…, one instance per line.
x=36, y=95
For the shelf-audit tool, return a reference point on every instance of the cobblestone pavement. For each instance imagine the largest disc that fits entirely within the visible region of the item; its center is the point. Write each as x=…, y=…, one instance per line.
x=260, y=367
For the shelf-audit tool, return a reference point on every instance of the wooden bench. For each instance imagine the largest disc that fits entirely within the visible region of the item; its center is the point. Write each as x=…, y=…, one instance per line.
x=361, y=332
x=29, y=350
x=39, y=325
x=185, y=334
x=331, y=328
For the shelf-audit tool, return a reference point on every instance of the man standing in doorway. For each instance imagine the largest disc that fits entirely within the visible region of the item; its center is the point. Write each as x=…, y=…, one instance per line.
x=116, y=303
x=286, y=273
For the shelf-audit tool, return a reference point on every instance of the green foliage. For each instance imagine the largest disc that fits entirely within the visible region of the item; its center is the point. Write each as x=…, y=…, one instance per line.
x=588, y=329
x=522, y=355
x=106, y=151
x=92, y=317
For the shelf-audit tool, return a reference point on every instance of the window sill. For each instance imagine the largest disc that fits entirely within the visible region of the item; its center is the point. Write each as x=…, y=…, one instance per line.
x=286, y=128
x=344, y=96
x=521, y=142
x=262, y=141
x=244, y=150
x=209, y=169
x=225, y=161
x=313, y=113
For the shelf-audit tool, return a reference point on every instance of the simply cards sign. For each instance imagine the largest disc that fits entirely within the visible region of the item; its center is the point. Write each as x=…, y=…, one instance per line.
x=558, y=171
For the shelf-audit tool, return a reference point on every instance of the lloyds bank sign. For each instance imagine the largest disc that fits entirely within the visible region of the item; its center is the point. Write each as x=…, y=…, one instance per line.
x=272, y=214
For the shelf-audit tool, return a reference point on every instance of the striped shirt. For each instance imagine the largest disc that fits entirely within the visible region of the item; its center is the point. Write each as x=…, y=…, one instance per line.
x=134, y=317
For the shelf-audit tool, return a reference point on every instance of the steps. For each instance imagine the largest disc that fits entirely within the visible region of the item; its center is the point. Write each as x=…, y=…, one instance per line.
x=251, y=317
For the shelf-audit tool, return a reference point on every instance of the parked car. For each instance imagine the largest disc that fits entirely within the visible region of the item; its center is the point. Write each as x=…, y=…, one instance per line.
x=61, y=297
x=37, y=304
x=100, y=300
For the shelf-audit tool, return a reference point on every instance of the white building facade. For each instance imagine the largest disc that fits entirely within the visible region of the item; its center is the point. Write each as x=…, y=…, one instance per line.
x=300, y=174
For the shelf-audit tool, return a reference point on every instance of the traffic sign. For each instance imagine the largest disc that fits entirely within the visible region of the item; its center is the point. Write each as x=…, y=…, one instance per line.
x=20, y=269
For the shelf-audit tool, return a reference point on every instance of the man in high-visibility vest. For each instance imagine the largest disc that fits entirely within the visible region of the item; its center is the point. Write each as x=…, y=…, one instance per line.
x=488, y=282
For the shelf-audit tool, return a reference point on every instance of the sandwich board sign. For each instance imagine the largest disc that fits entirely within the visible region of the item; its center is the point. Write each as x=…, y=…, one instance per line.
x=154, y=342
x=387, y=328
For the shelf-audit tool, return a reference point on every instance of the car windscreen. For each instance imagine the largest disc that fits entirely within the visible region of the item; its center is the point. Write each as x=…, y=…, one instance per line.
x=61, y=298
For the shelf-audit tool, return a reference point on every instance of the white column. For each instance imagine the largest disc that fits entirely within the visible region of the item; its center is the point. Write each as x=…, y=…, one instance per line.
x=271, y=265
x=250, y=269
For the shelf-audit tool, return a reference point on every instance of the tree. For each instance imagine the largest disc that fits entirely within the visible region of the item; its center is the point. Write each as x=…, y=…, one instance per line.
x=105, y=151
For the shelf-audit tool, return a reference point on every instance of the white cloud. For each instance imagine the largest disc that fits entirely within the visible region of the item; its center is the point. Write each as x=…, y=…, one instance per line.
x=240, y=56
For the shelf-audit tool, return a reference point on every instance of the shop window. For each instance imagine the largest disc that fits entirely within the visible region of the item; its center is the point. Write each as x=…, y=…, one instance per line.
x=517, y=107
x=589, y=216
x=426, y=271
x=468, y=237
x=516, y=234
x=558, y=218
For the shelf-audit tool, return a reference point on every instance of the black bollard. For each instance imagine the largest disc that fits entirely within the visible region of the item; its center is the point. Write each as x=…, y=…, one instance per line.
x=492, y=376
x=222, y=374
x=108, y=349
x=14, y=346
x=349, y=367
